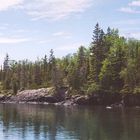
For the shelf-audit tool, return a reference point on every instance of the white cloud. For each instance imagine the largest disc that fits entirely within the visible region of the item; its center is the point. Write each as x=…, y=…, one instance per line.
x=5, y=40
x=135, y=35
x=62, y=34
x=48, y=9
x=6, y=4
x=129, y=10
x=45, y=41
x=70, y=47
x=54, y=9
x=21, y=31
x=135, y=3
x=128, y=22
x=59, y=33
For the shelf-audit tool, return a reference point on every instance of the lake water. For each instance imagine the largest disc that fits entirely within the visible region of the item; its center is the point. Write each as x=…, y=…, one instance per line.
x=45, y=122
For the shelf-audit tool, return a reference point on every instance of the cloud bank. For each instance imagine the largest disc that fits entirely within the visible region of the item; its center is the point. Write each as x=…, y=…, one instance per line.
x=6, y=4
x=48, y=9
x=132, y=7
x=6, y=40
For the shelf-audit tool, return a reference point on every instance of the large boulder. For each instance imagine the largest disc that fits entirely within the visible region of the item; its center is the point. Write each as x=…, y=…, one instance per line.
x=30, y=95
x=49, y=95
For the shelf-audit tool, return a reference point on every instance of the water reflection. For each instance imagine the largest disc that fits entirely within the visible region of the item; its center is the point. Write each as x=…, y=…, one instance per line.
x=43, y=122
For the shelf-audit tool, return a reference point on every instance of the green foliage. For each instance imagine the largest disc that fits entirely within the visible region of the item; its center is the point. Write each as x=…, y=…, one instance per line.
x=111, y=64
x=97, y=53
x=136, y=90
x=14, y=87
x=93, y=88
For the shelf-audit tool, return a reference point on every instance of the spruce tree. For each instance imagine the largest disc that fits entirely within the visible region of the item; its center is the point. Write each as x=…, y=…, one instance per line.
x=97, y=53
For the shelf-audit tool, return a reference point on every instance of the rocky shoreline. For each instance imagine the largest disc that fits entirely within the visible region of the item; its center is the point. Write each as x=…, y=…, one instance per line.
x=61, y=97
x=45, y=96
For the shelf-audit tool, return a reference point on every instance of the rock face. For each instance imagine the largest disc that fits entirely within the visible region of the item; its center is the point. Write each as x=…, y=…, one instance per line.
x=48, y=95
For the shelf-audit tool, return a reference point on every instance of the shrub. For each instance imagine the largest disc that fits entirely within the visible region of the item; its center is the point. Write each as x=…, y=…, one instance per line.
x=93, y=88
x=136, y=90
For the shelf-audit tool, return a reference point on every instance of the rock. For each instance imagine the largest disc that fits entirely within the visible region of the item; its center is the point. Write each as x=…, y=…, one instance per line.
x=31, y=95
x=68, y=103
x=48, y=99
x=48, y=95
x=138, y=107
x=61, y=97
x=2, y=97
x=81, y=100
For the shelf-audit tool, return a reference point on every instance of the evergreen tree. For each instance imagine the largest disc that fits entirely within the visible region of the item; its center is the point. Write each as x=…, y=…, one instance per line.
x=81, y=66
x=111, y=63
x=97, y=53
x=37, y=74
x=6, y=73
x=56, y=77
x=44, y=68
x=6, y=65
x=112, y=66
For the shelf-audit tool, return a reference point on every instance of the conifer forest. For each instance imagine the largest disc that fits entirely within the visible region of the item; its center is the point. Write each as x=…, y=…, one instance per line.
x=110, y=64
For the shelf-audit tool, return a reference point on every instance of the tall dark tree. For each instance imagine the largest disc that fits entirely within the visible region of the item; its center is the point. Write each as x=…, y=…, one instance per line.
x=6, y=65
x=54, y=71
x=37, y=73
x=97, y=53
x=81, y=66
x=6, y=73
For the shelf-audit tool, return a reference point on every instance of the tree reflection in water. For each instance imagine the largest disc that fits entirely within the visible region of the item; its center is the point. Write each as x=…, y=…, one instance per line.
x=41, y=122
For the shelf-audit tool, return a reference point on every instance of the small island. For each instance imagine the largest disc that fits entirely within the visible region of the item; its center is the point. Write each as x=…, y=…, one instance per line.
x=107, y=72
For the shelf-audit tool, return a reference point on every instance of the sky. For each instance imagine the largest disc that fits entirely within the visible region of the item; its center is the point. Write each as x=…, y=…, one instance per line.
x=29, y=29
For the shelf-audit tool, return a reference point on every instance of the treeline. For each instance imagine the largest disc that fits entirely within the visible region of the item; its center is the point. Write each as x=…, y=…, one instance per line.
x=111, y=64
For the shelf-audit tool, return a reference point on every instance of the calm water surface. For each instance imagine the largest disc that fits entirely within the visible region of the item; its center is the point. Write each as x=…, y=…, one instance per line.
x=43, y=122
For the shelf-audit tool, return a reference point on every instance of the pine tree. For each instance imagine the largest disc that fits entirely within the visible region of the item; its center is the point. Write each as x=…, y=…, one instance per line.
x=97, y=53
x=81, y=66
x=6, y=66
x=45, y=69
x=23, y=78
x=6, y=73
x=55, y=72
x=37, y=73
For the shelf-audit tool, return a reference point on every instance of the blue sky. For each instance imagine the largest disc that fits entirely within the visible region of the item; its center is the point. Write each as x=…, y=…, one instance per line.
x=30, y=28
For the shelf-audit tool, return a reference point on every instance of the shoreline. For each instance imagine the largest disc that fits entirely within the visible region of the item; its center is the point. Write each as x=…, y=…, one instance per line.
x=49, y=96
